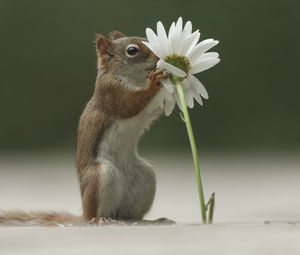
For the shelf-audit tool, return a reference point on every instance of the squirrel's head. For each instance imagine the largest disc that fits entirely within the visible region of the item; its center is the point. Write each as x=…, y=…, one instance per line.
x=124, y=56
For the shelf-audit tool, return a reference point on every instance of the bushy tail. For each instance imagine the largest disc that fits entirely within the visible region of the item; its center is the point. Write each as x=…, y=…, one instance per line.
x=20, y=218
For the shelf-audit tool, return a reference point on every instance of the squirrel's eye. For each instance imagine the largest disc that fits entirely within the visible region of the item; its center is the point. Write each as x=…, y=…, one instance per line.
x=132, y=50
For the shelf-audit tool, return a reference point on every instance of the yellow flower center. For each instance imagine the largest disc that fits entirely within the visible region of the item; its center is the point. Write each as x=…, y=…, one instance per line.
x=180, y=62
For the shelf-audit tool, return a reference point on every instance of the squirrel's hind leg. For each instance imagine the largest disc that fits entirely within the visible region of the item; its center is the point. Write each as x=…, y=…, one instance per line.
x=139, y=197
x=110, y=193
x=102, y=192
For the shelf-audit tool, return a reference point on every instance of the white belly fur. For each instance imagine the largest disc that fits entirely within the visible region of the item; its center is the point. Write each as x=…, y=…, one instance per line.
x=119, y=142
x=130, y=178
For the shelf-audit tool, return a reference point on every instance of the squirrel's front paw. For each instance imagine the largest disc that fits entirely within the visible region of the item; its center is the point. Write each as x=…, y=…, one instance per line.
x=156, y=76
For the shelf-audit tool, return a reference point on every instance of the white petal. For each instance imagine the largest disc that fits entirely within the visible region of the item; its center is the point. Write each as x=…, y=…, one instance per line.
x=169, y=106
x=198, y=98
x=189, y=99
x=155, y=48
x=197, y=86
x=168, y=85
x=194, y=43
x=168, y=96
x=179, y=34
x=175, y=36
x=151, y=36
x=165, y=96
x=189, y=42
x=162, y=37
x=204, y=57
x=178, y=26
x=187, y=29
x=199, y=45
x=179, y=23
x=161, y=64
x=170, y=35
x=204, y=65
x=208, y=55
x=201, y=48
x=162, y=98
x=171, y=30
x=188, y=93
x=174, y=40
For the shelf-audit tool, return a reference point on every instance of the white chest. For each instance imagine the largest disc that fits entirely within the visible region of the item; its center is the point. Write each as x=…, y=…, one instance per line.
x=119, y=143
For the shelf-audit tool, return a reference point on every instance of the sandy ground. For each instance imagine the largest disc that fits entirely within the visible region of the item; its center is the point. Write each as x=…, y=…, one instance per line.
x=217, y=239
x=257, y=209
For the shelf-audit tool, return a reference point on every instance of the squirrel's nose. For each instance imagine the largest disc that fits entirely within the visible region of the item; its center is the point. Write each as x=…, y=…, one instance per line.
x=153, y=57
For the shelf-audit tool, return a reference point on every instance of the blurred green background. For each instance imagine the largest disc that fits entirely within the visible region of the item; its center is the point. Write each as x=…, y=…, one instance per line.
x=48, y=69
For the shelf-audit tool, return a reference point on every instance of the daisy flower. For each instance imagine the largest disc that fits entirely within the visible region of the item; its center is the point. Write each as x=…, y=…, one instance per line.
x=182, y=56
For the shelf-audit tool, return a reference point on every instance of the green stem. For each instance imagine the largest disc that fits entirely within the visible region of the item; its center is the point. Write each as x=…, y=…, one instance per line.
x=211, y=209
x=193, y=148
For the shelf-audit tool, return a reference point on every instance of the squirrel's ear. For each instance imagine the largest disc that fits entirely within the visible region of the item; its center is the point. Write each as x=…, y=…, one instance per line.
x=113, y=35
x=104, y=47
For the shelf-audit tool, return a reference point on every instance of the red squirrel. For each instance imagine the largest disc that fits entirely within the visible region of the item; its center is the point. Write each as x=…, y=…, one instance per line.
x=115, y=182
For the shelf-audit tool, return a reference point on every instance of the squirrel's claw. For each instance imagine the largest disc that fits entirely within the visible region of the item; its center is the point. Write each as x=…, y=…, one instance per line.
x=157, y=75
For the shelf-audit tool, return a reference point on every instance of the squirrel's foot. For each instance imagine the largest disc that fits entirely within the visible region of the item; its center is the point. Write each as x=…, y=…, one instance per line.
x=108, y=221
x=164, y=221
x=105, y=222
x=159, y=221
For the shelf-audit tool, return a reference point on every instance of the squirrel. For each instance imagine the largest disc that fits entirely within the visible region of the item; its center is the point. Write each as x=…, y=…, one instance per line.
x=116, y=184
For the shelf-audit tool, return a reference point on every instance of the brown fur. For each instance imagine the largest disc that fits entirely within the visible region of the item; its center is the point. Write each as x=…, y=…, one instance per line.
x=114, y=35
x=10, y=218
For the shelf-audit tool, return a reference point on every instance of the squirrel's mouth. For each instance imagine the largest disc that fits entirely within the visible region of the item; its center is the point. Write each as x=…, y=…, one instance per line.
x=151, y=68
